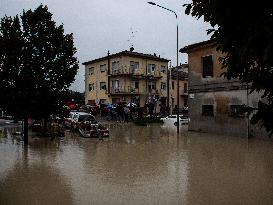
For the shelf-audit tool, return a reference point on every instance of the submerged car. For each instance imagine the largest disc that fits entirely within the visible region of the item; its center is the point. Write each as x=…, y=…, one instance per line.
x=172, y=119
x=75, y=119
x=90, y=128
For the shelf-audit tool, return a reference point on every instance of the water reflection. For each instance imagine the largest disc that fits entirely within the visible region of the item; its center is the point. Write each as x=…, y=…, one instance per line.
x=137, y=165
x=34, y=183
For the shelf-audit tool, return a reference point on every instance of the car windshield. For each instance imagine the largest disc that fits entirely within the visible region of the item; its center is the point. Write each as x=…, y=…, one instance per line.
x=172, y=116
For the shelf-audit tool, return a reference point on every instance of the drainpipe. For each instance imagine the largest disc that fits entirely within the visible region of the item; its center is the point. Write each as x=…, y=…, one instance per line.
x=108, y=72
x=168, y=88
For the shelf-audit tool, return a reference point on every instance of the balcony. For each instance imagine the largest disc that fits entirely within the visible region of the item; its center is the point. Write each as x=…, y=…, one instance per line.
x=153, y=75
x=153, y=91
x=125, y=71
x=185, y=93
x=123, y=90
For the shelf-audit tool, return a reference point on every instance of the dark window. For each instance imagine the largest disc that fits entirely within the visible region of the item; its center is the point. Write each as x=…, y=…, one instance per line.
x=207, y=66
x=136, y=84
x=207, y=110
x=163, y=86
x=151, y=85
x=91, y=87
x=102, y=68
x=102, y=86
x=133, y=66
x=185, y=88
x=185, y=102
x=236, y=110
x=163, y=69
x=172, y=85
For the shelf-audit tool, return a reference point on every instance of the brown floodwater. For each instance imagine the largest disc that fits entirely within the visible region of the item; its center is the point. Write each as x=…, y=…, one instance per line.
x=136, y=165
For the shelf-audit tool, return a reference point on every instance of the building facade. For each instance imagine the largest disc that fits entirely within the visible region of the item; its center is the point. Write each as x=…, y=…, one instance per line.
x=126, y=76
x=216, y=105
x=183, y=87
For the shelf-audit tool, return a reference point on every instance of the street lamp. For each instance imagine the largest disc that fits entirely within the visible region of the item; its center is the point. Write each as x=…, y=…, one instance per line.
x=154, y=4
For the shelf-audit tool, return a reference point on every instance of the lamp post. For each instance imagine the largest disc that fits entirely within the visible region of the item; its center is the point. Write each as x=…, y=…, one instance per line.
x=154, y=4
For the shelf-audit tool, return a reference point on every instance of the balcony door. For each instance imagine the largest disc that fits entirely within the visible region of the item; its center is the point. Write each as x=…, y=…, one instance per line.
x=115, y=85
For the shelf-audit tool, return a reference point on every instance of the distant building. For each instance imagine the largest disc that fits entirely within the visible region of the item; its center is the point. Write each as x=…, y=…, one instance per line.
x=183, y=87
x=215, y=103
x=126, y=76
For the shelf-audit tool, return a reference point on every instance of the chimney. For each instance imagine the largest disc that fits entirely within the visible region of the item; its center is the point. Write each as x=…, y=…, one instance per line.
x=132, y=49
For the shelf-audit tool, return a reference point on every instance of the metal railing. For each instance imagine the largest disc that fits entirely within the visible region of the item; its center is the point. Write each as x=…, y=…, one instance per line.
x=125, y=89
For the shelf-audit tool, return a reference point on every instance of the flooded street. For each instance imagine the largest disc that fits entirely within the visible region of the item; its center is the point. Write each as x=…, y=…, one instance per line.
x=136, y=165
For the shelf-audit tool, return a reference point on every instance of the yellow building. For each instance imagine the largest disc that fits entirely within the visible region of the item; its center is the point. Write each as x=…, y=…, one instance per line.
x=126, y=76
x=183, y=87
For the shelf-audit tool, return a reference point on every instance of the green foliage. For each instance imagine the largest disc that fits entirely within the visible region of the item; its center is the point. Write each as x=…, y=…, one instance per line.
x=37, y=64
x=75, y=96
x=244, y=33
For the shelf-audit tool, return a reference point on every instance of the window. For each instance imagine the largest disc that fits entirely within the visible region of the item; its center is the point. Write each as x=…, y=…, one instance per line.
x=163, y=69
x=237, y=111
x=102, y=68
x=207, y=110
x=115, y=66
x=91, y=87
x=207, y=66
x=134, y=84
x=151, y=85
x=185, y=102
x=115, y=84
x=133, y=66
x=185, y=88
x=163, y=86
x=172, y=85
x=91, y=71
x=102, y=86
x=151, y=68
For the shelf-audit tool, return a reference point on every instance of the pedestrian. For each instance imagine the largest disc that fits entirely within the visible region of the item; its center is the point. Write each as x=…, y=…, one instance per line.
x=151, y=109
x=126, y=114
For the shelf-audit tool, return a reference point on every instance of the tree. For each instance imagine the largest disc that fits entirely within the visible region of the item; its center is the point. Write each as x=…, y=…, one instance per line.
x=37, y=65
x=243, y=32
x=75, y=96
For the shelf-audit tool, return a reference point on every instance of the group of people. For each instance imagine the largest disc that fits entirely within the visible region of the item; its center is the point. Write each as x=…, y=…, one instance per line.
x=117, y=112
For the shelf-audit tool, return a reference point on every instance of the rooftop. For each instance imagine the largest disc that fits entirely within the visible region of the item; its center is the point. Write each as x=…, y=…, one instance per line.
x=197, y=45
x=182, y=73
x=129, y=53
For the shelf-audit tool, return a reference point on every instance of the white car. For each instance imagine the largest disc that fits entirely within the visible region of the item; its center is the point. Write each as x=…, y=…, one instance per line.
x=75, y=118
x=172, y=119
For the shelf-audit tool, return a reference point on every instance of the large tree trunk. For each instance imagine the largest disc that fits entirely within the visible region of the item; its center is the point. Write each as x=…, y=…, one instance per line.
x=25, y=130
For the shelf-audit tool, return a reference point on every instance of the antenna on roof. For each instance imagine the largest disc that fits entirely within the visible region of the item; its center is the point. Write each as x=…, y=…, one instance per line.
x=132, y=36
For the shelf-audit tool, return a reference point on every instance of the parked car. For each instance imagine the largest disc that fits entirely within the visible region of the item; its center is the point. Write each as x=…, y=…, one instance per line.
x=68, y=120
x=172, y=119
x=89, y=129
x=75, y=118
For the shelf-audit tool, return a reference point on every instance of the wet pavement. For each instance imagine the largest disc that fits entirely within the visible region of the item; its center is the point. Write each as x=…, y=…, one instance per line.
x=136, y=165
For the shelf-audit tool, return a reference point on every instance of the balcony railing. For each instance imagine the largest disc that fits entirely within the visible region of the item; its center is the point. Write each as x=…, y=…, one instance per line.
x=184, y=93
x=125, y=71
x=125, y=90
x=153, y=91
x=154, y=74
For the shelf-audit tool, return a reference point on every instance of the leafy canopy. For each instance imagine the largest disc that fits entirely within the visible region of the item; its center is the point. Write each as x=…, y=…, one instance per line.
x=244, y=32
x=37, y=64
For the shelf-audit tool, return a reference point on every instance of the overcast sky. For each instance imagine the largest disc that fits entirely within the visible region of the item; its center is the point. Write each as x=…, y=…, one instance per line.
x=115, y=25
